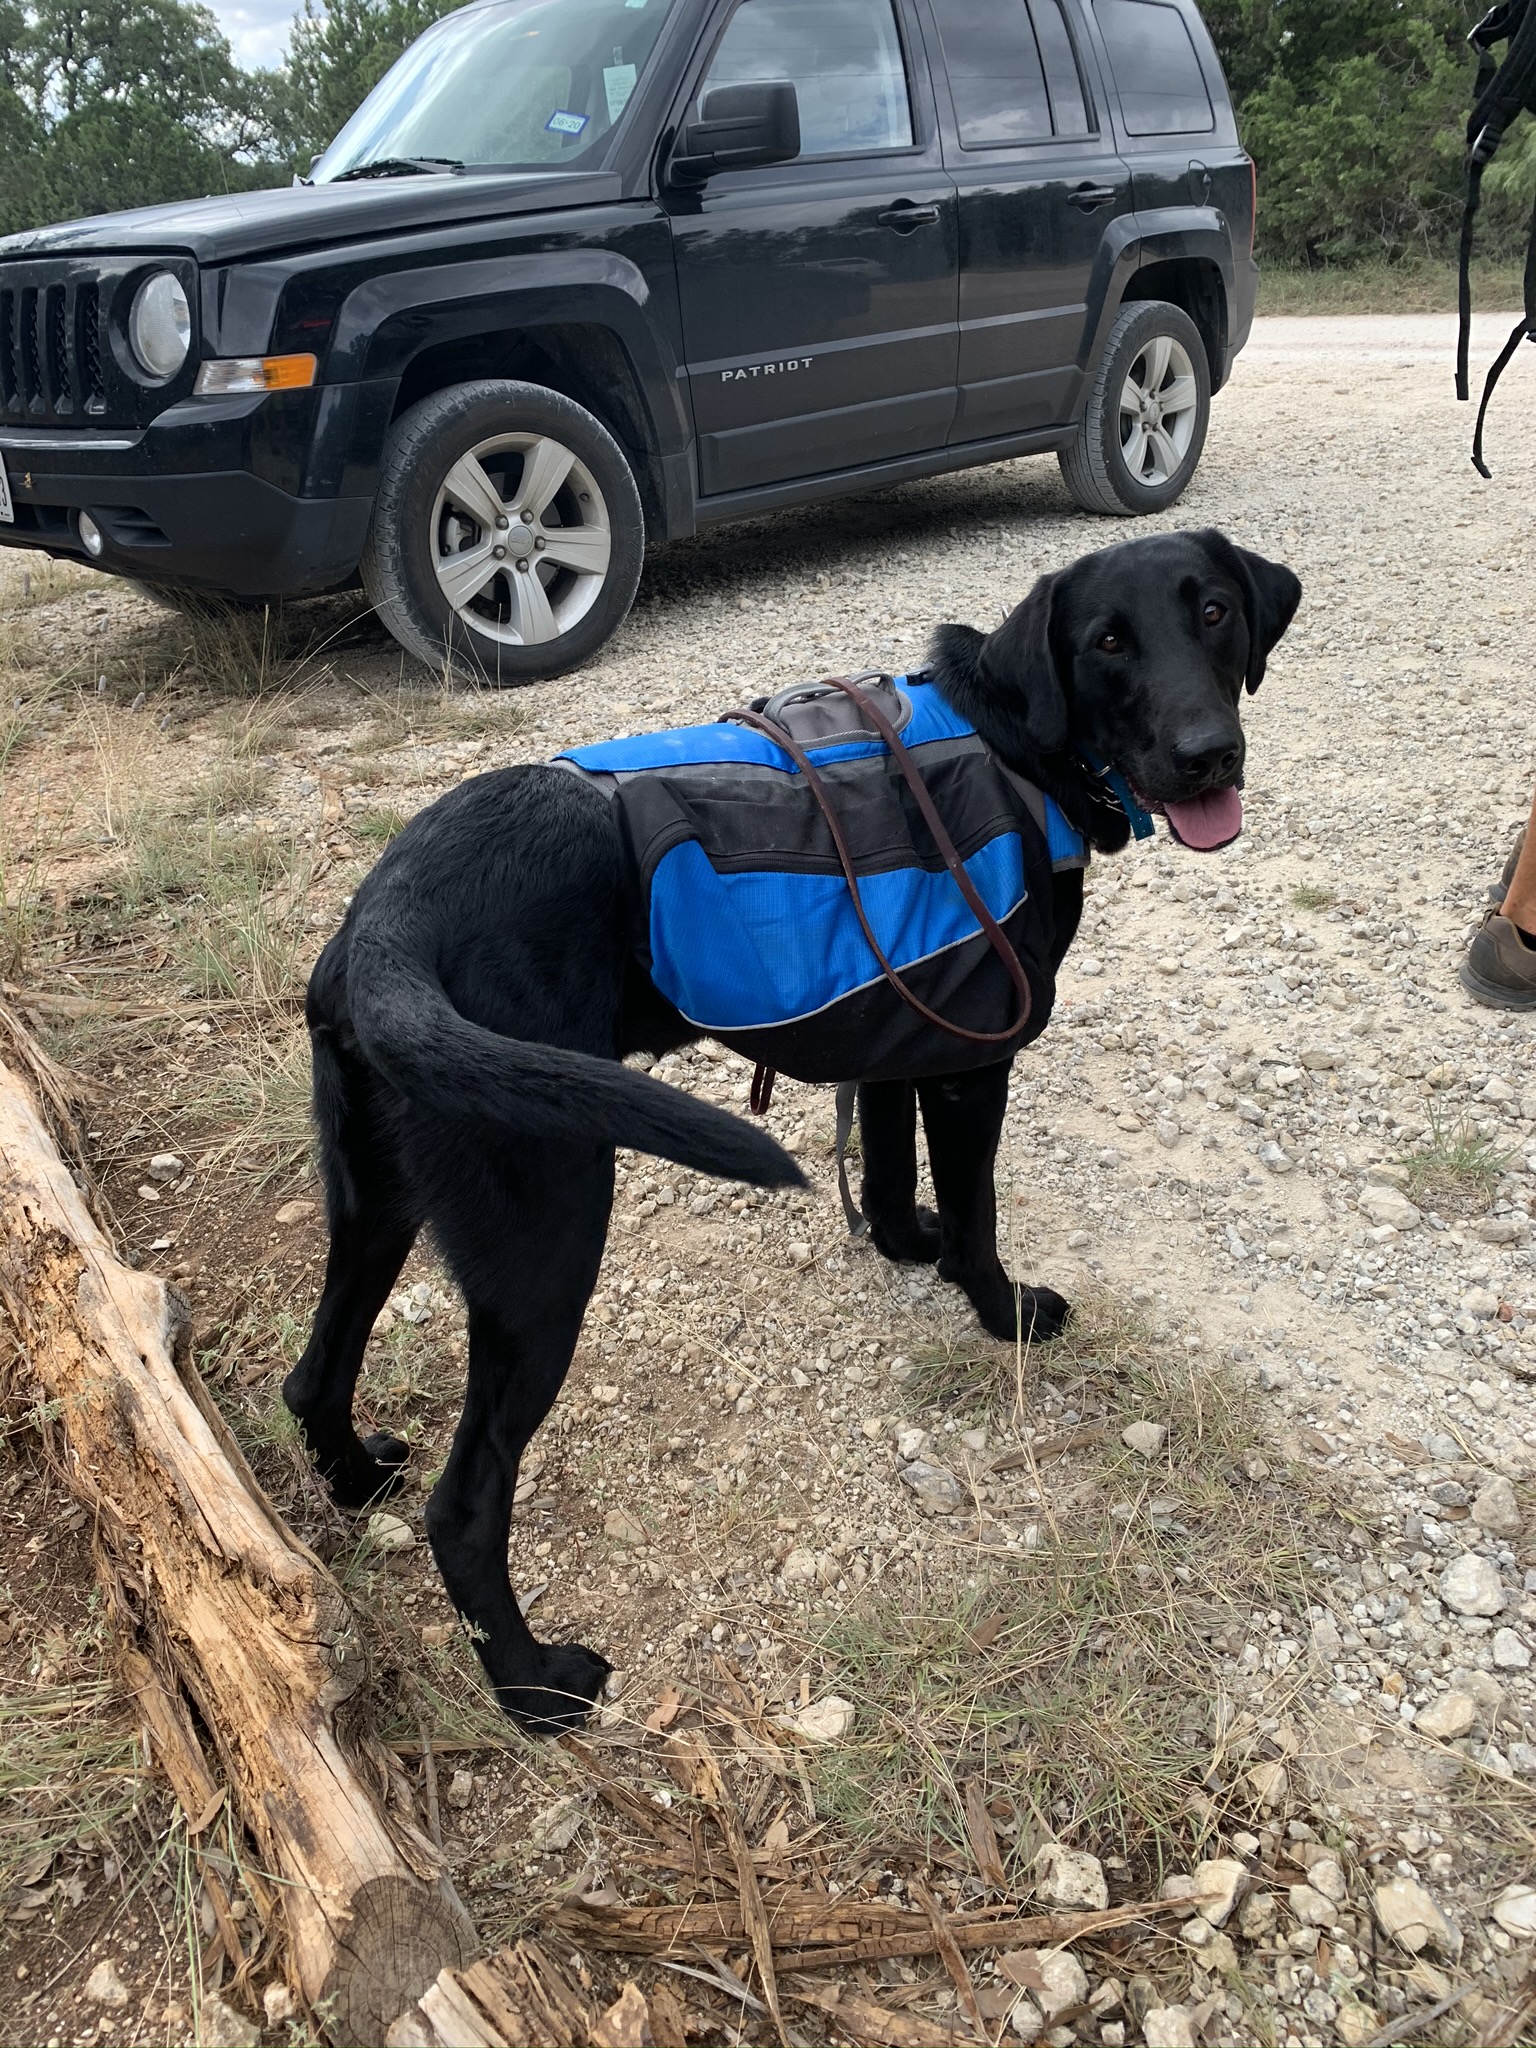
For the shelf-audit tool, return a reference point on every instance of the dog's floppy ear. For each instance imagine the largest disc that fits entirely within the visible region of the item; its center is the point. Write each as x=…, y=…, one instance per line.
x=1021, y=657
x=1271, y=593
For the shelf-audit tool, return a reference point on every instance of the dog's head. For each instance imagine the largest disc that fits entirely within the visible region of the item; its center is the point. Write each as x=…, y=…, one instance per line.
x=1132, y=660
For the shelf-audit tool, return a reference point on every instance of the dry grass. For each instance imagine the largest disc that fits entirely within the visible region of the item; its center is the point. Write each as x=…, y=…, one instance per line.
x=70, y=1769
x=1076, y=1679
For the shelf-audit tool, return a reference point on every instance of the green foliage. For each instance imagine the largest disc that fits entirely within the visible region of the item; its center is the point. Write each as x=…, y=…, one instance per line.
x=1354, y=111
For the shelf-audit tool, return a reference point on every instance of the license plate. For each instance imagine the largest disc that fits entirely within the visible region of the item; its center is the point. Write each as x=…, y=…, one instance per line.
x=7, y=509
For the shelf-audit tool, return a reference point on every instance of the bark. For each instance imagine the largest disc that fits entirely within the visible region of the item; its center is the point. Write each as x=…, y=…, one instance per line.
x=226, y=1622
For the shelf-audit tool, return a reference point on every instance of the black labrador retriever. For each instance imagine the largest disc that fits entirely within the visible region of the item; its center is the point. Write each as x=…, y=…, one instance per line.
x=469, y=1019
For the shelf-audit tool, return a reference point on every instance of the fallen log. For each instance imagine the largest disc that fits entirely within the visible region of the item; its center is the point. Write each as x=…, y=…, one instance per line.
x=223, y=1618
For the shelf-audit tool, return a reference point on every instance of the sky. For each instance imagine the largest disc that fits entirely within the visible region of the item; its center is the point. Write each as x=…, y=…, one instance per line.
x=257, y=29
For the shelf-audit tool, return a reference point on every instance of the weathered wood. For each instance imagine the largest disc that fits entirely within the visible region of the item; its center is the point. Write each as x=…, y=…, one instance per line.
x=220, y=1609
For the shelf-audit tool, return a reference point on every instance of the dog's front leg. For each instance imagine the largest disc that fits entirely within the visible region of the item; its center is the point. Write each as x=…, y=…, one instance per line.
x=898, y=1228
x=963, y=1120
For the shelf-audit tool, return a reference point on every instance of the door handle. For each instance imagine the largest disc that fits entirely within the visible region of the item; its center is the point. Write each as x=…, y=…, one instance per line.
x=1087, y=197
x=906, y=215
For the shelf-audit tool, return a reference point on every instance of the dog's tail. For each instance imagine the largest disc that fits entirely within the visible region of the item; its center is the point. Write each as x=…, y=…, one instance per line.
x=409, y=1030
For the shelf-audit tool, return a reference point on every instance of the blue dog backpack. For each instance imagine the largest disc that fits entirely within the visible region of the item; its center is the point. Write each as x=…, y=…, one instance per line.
x=745, y=919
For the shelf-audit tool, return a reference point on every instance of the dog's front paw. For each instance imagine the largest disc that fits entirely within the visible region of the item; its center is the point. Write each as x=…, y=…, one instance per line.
x=569, y=1681
x=912, y=1243
x=370, y=1473
x=1013, y=1313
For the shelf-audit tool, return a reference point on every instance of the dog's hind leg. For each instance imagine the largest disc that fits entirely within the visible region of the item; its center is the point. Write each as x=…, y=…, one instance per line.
x=526, y=1254
x=963, y=1120
x=898, y=1228
x=373, y=1225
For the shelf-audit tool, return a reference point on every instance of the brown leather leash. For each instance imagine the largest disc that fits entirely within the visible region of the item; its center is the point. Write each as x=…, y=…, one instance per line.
x=762, y=1080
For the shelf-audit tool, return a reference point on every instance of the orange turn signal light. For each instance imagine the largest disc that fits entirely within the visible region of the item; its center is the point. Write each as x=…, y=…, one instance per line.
x=233, y=374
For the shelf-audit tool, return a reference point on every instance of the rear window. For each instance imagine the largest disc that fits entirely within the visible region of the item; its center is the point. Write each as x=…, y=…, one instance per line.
x=1162, y=88
x=1012, y=78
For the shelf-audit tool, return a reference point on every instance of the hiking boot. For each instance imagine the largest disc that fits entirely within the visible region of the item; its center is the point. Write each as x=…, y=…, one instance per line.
x=1500, y=968
x=1498, y=890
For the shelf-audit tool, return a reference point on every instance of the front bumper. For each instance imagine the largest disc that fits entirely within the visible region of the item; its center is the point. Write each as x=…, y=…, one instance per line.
x=210, y=496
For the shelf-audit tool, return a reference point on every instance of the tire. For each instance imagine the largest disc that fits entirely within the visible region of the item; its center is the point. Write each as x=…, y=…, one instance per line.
x=496, y=465
x=1116, y=465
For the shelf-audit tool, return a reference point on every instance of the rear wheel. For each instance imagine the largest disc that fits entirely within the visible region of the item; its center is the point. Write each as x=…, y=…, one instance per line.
x=1147, y=414
x=507, y=533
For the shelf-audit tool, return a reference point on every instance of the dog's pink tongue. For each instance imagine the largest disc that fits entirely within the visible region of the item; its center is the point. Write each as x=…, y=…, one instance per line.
x=1206, y=822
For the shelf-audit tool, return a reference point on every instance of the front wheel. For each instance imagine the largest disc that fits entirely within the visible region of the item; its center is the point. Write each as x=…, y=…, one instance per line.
x=1144, y=427
x=507, y=534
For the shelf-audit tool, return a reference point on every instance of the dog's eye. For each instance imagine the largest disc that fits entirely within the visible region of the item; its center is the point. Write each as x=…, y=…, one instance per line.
x=1215, y=613
x=1109, y=643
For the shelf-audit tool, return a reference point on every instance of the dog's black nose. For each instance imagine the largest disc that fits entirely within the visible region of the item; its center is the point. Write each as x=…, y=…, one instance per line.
x=1206, y=759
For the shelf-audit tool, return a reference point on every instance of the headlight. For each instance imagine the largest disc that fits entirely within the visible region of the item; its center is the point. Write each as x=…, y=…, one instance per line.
x=160, y=325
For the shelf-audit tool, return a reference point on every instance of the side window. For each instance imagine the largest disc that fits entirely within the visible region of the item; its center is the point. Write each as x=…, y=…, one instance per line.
x=996, y=78
x=1069, y=106
x=1162, y=88
x=843, y=58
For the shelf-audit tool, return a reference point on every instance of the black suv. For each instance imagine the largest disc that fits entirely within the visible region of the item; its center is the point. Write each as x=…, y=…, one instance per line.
x=583, y=272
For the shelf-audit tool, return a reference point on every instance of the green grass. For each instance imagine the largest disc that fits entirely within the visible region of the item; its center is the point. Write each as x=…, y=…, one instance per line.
x=1387, y=288
x=378, y=826
x=1312, y=896
x=1456, y=1167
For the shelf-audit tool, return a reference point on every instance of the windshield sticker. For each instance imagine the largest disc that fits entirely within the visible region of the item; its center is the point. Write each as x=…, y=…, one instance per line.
x=619, y=79
x=562, y=123
x=634, y=3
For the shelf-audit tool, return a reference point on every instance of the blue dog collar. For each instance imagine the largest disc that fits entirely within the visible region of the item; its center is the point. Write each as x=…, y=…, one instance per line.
x=1141, y=821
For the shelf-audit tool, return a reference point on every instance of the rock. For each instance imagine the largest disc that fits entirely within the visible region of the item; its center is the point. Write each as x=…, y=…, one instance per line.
x=165, y=1166
x=1388, y=1205
x=461, y=1789
x=1054, y=1978
x=1356, y=2023
x=1471, y=1586
x=1168, y=2026
x=1270, y=1155
x=1179, y=1889
x=1495, y=1090
x=1325, y=1874
x=621, y=1526
x=1069, y=1877
x=437, y=1635
x=1257, y=1916
x=1481, y=1302
x=1269, y=1783
x=1509, y=1653
x=277, y=2003
x=1310, y=1906
x=1219, y=1884
x=606, y=1396
x=1448, y=1717
x=556, y=1826
x=389, y=1532
x=799, y=1568
x=1515, y=1911
x=827, y=1720
x=913, y=1444
x=938, y=1490
x=1496, y=1508
x=1025, y=2020
x=1406, y=1912
x=627, y=2022
x=147, y=1191
x=294, y=1212
x=1146, y=1437
x=1499, y=1229
x=105, y=1987
x=1387, y=1175
x=220, y=2026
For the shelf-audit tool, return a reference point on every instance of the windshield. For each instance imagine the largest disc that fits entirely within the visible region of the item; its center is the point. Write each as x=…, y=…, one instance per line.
x=515, y=85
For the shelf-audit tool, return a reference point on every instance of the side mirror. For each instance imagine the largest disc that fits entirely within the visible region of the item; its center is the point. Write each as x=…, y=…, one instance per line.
x=740, y=126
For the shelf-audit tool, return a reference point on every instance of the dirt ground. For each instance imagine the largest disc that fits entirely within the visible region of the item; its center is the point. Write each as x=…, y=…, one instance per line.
x=1280, y=1162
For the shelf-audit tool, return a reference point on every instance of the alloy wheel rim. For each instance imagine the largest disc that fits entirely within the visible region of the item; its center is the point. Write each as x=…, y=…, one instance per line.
x=1159, y=402
x=521, y=539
